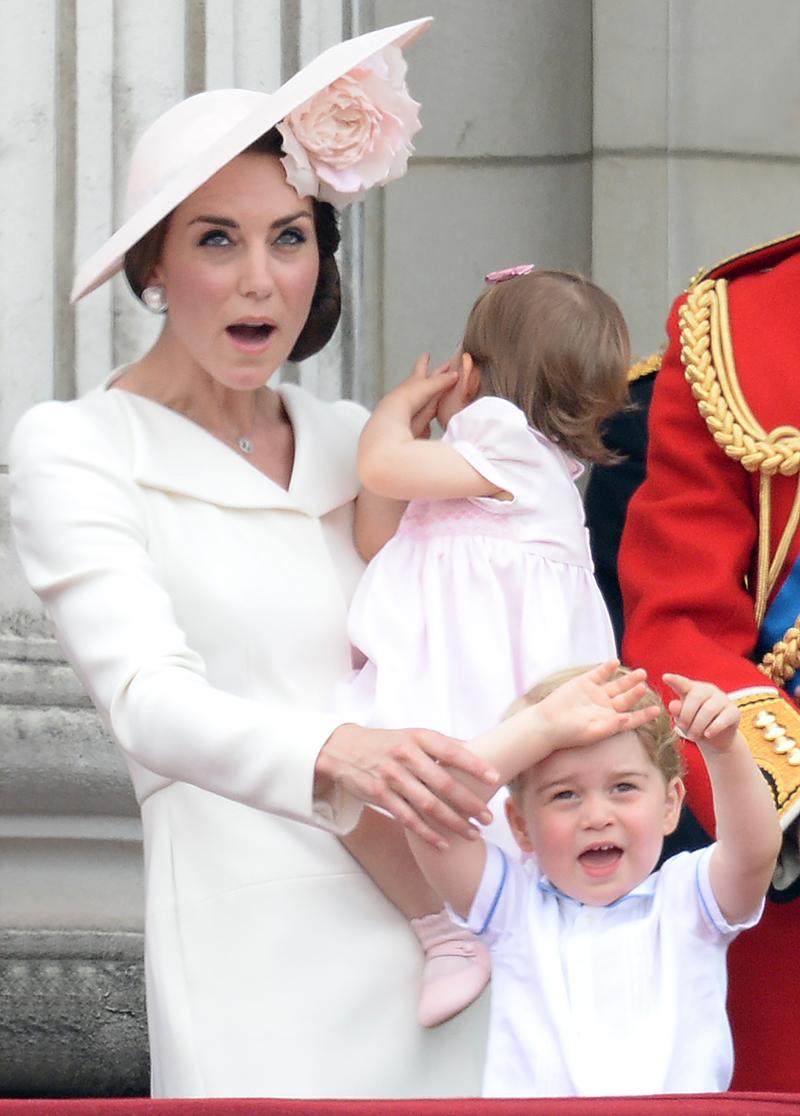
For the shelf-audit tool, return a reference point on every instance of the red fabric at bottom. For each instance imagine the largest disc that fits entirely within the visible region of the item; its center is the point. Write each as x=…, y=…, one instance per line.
x=722, y=1104
x=763, y=984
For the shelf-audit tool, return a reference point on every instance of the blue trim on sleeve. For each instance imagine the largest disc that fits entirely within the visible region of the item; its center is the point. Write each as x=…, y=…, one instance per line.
x=497, y=894
x=712, y=921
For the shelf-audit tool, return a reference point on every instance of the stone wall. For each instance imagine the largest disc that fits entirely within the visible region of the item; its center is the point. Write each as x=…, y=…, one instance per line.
x=696, y=143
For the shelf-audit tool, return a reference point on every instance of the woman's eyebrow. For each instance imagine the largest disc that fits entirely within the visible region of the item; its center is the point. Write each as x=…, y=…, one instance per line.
x=281, y=221
x=225, y=222
x=229, y=223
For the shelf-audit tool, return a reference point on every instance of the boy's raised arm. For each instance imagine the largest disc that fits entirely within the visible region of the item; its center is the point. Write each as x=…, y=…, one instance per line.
x=584, y=710
x=748, y=831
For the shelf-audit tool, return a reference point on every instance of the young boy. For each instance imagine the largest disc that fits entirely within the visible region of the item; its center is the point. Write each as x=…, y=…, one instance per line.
x=608, y=977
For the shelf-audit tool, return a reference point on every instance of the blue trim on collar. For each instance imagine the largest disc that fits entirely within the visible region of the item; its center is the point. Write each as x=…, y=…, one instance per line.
x=642, y=890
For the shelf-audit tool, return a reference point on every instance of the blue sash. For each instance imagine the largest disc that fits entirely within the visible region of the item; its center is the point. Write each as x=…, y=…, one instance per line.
x=782, y=614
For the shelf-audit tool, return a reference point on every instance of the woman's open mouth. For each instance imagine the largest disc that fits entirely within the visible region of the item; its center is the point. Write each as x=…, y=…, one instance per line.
x=251, y=336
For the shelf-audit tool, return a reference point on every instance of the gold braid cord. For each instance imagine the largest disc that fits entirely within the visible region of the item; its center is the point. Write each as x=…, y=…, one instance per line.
x=710, y=370
x=783, y=660
x=644, y=367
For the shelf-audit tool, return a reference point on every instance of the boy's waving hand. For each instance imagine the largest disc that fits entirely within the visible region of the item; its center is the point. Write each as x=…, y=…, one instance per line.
x=748, y=833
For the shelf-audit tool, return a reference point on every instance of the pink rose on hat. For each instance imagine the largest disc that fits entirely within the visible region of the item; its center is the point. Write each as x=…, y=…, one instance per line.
x=355, y=133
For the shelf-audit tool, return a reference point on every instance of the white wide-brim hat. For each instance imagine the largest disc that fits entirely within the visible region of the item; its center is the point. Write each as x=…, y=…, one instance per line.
x=190, y=142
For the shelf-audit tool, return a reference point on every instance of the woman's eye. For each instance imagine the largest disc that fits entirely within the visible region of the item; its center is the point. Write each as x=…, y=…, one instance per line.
x=292, y=236
x=215, y=238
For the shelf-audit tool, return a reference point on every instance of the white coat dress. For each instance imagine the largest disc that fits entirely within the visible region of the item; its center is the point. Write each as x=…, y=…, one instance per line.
x=204, y=608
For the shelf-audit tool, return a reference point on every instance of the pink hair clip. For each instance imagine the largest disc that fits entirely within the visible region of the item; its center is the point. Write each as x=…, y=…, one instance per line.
x=509, y=273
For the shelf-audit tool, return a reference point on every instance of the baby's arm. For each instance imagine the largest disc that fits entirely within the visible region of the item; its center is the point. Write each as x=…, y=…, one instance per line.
x=748, y=832
x=395, y=461
x=376, y=520
x=378, y=512
x=584, y=710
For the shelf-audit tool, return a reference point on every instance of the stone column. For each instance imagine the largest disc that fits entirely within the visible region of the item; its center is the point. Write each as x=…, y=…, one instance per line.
x=696, y=143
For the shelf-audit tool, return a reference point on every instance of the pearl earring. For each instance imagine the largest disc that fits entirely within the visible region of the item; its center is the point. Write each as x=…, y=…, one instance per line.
x=155, y=299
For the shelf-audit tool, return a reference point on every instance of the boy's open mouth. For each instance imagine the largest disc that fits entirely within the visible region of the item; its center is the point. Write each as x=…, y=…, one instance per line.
x=600, y=857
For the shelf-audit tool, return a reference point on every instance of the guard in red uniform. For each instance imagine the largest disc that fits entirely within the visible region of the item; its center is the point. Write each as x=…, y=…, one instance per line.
x=710, y=574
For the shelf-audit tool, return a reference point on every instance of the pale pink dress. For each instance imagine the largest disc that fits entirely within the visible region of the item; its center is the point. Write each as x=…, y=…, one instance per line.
x=474, y=600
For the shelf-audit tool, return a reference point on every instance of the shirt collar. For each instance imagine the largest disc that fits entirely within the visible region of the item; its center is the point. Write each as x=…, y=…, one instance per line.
x=642, y=890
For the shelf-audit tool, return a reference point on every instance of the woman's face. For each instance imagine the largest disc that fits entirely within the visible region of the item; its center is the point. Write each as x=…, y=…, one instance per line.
x=239, y=266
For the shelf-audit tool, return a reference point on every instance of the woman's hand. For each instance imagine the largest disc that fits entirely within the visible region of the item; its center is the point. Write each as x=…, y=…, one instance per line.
x=405, y=772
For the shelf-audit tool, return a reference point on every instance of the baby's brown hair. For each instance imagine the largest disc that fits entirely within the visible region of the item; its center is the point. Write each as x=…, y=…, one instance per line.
x=658, y=737
x=557, y=346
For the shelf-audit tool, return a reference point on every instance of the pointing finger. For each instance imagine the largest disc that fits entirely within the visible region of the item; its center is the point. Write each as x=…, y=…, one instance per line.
x=678, y=682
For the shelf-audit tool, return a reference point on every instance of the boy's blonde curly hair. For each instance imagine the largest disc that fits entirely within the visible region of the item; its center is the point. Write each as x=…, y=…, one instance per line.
x=658, y=736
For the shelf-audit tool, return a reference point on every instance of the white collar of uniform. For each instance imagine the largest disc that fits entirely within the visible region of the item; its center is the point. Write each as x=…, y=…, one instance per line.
x=174, y=454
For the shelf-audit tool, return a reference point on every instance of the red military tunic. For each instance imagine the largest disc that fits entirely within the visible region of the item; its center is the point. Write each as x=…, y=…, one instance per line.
x=723, y=462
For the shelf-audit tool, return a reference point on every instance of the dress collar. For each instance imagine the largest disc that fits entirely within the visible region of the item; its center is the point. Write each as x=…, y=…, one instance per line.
x=174, y=454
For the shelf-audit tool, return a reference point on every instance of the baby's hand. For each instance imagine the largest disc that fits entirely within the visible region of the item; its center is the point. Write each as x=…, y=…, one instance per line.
x=702, y=712
x=594, y=705
x=415, y=399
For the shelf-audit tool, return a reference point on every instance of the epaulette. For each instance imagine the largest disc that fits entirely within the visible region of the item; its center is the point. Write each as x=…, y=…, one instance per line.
x=707, y=355
x=771, y=726
x=647, y=367
x=759, y=258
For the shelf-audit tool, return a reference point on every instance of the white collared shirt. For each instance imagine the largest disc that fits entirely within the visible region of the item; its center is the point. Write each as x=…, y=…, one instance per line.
x=605, y=1001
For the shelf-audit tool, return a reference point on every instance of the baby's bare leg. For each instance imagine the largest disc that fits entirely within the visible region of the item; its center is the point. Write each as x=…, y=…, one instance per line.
x=457, y=964
x=379, y=845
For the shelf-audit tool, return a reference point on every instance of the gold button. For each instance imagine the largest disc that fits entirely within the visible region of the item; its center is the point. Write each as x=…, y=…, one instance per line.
x=762, y=719
x=774, y=732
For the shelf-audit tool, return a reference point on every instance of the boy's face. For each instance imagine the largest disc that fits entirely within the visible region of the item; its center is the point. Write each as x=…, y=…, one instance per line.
x=596, y=817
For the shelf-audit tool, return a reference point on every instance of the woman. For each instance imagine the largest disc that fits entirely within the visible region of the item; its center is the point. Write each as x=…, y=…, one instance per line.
x=189, y=531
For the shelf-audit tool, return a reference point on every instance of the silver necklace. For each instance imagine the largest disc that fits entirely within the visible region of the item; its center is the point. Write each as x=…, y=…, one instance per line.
x=244, y=443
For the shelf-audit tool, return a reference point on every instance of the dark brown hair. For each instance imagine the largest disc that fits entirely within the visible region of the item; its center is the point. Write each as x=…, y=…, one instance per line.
x=326, y=304
x=557, y=346
x=658, y=737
